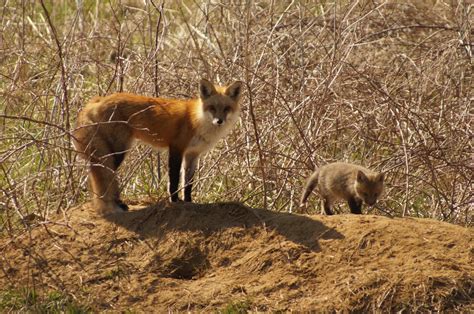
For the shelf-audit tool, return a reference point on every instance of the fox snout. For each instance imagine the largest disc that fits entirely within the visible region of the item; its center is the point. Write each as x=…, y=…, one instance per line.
x=369, y=199
x=219, y=116
x=217, y=121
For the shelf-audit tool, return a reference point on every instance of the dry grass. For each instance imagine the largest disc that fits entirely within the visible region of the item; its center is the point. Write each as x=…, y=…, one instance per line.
x=380, y=83
x=204, y=257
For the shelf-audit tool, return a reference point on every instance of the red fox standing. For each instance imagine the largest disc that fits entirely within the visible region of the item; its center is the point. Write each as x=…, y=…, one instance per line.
x=349, y=182
x=108, y=125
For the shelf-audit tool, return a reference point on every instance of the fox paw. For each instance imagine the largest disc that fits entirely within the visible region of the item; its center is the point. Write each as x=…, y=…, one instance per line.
x=122, y=205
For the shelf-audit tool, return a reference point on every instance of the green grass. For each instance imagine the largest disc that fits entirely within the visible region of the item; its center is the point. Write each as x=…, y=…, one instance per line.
x=237, y=307
x=28, y=300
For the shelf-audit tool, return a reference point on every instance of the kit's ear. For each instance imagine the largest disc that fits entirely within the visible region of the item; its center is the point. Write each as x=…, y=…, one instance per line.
x=361, y=177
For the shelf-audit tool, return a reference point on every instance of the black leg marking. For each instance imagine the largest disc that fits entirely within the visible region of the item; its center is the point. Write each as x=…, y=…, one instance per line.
x=190, y=165
x=118, y=159
x=174, y=163
x=327, y=208
x=355, y=205
x=187, y=192
x=122, y=205
x=118, y=152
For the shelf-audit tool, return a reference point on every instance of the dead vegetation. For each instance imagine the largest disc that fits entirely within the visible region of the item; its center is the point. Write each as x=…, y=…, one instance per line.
x=201, y=257
x=385, y=84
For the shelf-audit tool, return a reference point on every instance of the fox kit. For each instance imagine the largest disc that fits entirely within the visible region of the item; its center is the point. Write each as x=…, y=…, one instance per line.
x=343, y=181
x=107, y=126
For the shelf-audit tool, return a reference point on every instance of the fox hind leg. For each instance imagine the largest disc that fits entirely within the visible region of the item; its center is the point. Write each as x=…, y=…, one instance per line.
x=118, y=159
x=103, y=178
x=190, y=163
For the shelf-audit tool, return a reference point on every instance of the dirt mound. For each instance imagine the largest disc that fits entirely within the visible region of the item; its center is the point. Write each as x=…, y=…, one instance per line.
x=216, y=256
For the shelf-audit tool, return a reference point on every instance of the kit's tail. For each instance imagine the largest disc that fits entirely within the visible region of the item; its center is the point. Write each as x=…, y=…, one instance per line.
x=310, y=185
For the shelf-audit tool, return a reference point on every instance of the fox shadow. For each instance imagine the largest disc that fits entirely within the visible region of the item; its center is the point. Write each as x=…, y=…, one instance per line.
x=156, y=220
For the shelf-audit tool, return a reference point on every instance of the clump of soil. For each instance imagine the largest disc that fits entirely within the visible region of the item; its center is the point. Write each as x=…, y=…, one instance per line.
x=202, y=257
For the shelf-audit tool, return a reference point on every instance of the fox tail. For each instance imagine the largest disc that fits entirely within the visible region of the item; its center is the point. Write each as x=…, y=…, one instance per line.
x=310, y=185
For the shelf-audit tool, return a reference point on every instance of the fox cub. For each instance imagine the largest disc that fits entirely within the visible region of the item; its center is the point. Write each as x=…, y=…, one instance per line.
x=344, y=181
x=107, y=126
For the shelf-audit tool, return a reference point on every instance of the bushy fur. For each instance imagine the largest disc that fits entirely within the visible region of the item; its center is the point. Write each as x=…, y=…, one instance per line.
x=343, y=181
x=107, y=126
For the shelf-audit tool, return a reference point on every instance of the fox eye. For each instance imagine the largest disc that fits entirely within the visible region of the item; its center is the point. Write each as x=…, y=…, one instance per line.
x=226, y=109
x=211, y=109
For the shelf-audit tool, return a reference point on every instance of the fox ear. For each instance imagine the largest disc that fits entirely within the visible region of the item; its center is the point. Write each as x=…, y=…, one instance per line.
x=380, y=177
x=206, y=89
x=234, y=90
x=361, y=177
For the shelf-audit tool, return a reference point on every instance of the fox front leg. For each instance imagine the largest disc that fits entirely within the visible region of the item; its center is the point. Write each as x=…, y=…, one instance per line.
x=327, y=206
x=190, y=163
x=355, y=205
x=174, y=162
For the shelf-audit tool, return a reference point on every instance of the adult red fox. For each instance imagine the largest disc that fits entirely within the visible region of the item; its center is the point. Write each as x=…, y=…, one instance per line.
x=344, y=181
x=107, y=126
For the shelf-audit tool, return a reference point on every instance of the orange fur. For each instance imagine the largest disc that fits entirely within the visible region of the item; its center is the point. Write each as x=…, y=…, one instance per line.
x=108, y=125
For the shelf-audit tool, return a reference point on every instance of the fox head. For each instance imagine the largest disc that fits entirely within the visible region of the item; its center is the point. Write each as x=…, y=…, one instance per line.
x=220, y=104
x=369, y=187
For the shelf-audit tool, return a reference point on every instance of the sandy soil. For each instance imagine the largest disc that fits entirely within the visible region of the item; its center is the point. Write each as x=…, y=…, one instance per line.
x=206, y=257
